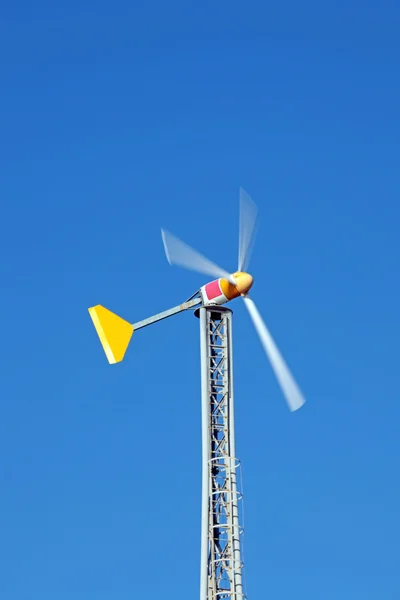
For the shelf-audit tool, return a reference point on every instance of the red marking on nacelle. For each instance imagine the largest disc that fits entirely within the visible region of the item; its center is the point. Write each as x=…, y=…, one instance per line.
x=213, y=289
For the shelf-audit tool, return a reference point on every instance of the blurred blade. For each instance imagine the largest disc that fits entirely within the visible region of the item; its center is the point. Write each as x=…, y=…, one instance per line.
x=247, y=225
x=289, y=387
x=179, y=253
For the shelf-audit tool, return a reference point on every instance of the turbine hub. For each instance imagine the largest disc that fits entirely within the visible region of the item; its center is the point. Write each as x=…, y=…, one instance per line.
x=244, y=281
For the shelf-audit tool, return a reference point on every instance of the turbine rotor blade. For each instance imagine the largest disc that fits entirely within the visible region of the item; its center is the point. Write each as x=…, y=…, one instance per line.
x=180, y=254
x=289, y=387
x=247, y=229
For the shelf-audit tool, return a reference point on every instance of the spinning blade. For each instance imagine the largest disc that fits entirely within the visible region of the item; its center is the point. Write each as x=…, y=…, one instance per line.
x=247, y=229
x=289, y=387
x=179, y=253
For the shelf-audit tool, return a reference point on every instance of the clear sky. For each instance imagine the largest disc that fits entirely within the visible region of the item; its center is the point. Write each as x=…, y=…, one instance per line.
x=119, y=118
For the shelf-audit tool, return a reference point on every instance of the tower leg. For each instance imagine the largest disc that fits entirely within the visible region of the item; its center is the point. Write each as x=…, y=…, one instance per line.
x=221, y=564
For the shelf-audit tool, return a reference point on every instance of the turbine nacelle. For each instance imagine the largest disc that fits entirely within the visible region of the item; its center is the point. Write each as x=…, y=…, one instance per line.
x=223, y=290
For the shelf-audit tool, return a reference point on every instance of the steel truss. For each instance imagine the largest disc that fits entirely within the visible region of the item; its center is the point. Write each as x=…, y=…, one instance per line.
x=221, y=564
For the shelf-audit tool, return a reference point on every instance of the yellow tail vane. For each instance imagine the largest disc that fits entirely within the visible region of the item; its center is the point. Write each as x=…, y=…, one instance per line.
x=114, y=333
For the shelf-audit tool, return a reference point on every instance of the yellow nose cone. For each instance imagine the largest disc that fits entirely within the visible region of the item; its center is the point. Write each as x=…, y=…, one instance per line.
x=244, y=281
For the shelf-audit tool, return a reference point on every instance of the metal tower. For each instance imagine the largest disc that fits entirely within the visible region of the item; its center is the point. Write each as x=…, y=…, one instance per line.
x=221, y=563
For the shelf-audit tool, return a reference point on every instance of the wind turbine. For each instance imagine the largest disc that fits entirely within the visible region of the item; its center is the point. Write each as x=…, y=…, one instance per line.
x=221, y=563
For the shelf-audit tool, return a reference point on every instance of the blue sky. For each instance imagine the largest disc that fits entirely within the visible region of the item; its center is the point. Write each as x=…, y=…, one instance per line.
x=117, y=119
